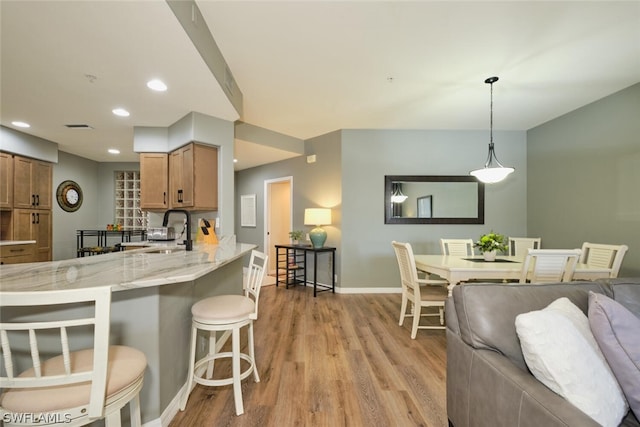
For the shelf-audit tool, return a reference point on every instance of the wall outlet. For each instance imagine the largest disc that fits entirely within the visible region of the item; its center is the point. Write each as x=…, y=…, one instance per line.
x=335, y=278
x=217, y=222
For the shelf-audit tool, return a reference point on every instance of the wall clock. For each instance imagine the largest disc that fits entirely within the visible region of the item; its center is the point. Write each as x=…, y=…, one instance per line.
x=69, y=195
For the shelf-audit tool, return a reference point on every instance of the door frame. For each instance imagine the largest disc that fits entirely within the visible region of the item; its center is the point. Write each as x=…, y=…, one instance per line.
x=268, y=213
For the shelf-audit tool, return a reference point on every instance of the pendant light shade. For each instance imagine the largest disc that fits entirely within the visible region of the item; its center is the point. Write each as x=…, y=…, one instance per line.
x=397, y=196
x=493, y=171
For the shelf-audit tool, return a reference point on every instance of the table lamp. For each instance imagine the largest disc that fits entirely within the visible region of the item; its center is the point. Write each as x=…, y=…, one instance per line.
x=317, y=217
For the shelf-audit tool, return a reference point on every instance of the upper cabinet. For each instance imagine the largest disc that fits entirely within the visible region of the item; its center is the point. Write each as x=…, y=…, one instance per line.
x=32, y=183
x=154, y=181
x=192, y=179
x=6, y=181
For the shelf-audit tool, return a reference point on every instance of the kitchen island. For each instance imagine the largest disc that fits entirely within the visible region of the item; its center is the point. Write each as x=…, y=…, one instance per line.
x=153, y=290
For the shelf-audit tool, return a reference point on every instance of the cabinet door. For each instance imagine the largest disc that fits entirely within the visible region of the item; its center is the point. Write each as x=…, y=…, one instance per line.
x=41, y=185
x=42, y=235
x=187, y=175
x=31, y=183
x=175, y=179
x=23, y=223
x=34, y=224
x=6, y=180
x=23, y=197
x=154, y=180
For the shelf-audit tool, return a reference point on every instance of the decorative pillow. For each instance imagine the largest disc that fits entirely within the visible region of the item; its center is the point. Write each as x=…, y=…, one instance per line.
x=617, y=331
x=559, y=356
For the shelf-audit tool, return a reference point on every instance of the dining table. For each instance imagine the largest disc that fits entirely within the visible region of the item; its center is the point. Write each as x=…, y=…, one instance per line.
x=456, y=270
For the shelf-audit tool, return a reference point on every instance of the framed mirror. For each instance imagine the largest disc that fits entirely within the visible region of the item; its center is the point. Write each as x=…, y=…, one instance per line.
x=433, y=199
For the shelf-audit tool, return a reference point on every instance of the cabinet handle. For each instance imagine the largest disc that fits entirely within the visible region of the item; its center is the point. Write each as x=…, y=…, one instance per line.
x=33, y=200
x=180, y=196
x=16, y=250
x=164, y=197
x=38, y=216
x=33, y=218
x=37, y=200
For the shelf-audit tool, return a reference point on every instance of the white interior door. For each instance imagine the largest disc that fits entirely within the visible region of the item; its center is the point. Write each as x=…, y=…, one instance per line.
x=278, y=220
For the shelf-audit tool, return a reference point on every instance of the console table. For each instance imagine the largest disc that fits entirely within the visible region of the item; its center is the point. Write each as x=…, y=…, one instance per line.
x=102, y=236
x=292, y=261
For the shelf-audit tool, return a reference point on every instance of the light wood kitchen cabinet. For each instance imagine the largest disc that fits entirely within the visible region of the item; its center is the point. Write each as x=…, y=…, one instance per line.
x=154, y=181
x=34, y=224
x=193, y=177
x=31, y=183
x=14, y=254
x=6, y=181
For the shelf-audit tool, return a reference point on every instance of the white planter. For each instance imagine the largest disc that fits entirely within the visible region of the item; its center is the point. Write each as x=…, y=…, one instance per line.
x=489, y=256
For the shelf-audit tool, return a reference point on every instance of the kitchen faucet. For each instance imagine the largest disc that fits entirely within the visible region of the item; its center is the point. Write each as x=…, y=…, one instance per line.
x=188, y=242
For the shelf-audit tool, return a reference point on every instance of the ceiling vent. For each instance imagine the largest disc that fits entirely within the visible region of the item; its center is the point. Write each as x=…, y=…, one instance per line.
x=78, y=126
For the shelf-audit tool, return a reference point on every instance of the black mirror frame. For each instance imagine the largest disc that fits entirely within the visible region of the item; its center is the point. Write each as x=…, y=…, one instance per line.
x=389, y=179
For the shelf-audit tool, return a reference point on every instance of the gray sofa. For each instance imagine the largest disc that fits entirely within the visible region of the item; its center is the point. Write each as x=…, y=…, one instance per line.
x=488, y=383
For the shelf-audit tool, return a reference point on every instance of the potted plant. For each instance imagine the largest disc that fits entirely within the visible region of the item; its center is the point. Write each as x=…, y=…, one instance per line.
x=489, y=244
x=295, y=236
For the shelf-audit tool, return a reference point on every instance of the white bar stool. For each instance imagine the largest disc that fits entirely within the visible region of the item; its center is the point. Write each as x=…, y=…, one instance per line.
x=227, y=313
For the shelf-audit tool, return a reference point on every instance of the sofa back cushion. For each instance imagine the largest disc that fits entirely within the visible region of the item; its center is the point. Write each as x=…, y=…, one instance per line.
x=487, y=312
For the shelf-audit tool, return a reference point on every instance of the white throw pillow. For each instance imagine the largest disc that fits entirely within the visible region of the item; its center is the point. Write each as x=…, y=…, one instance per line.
x=560, y=353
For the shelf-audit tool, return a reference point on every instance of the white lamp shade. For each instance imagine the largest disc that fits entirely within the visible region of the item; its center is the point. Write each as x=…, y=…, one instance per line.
x=317, y=216
x=491, y=175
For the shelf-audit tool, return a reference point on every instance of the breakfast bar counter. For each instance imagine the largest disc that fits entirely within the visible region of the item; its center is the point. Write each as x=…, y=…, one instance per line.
x=153, y=291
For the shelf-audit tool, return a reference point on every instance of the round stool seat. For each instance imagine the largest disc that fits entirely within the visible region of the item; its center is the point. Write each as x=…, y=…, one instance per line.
x=223, y=309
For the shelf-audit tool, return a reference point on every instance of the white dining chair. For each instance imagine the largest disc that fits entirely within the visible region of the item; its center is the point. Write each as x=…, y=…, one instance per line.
x=78, y=387
x=518, y=246
x=457, y=247
x=605, y=256
x=549, y=265
x=422, y=293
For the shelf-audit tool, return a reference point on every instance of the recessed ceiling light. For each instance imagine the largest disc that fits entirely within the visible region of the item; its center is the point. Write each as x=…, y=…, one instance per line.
x=113, y=151
x=235, y=160
x=21, y=124
x=157, y=85
x=120, y=112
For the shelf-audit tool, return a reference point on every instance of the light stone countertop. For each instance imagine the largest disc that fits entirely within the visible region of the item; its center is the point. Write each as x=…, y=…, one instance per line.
x=130, y=269
x=16, y=242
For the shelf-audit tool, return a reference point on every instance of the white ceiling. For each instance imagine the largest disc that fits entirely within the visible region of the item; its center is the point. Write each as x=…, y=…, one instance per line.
x=306, y=68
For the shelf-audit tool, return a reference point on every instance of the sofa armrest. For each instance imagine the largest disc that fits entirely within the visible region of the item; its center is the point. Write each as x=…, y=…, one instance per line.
x=485, y=389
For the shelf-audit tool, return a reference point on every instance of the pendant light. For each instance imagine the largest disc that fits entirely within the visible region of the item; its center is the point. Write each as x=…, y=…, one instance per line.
x=397, y=196
x=493, y=171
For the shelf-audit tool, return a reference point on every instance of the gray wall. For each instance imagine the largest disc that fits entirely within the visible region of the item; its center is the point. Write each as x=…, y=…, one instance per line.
x=584, y=177
x=97, y=183
x=314, y=185
x=349, y=177
x=368, y=155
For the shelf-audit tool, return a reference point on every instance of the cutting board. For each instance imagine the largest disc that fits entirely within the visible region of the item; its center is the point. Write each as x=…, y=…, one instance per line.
x=206, y=232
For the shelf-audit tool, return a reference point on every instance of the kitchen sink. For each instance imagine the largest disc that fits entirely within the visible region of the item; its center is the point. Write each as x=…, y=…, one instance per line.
x=164, y=251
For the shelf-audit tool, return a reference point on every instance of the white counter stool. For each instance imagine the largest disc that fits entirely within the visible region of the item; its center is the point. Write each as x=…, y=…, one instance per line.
x=227, y=313
x=76, y=387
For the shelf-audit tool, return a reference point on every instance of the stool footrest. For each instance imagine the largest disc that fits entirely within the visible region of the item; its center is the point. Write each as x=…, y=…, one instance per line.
x=222, y=381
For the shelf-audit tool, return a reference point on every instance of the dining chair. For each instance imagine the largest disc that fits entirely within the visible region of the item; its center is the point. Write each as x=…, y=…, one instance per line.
x=605, y=256
x=227, y=313
x=457, y=247
x=549, y=265
x=518, y=245
x=72, y=388
x=421, y=293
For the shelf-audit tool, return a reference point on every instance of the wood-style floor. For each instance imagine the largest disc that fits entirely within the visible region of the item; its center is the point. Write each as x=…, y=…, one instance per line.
x=334, y=360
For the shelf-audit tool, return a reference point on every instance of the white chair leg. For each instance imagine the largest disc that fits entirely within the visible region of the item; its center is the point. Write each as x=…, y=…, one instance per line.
x=212, y=351
x=192, y=361
x=113, y=419
x=403, y=309
x=134, y=410
x=237, y=386
x=416, y=321
x=252, y=354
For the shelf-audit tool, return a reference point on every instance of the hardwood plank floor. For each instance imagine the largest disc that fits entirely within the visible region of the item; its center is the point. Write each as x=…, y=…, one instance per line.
x=334, y=360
